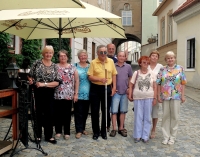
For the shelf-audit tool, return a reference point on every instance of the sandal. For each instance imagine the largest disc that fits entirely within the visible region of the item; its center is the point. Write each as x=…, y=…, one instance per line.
x=57, y=136
x=66, y=137
x=125, y=130
x=164, y=142
x=85, y=132
x=113, y=133
x=137, y=140
x=123, y=133
x=78, y=135
x=153, y=134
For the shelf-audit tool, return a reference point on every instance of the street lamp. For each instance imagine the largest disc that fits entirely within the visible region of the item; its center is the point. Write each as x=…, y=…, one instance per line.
x=12, y=71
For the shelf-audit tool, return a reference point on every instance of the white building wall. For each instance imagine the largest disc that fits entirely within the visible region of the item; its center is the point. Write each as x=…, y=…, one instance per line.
x=188, y=30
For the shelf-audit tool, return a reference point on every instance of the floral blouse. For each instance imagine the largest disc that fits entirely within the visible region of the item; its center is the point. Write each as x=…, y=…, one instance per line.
x=41, y=73
x=171, y=82
x=66, y=89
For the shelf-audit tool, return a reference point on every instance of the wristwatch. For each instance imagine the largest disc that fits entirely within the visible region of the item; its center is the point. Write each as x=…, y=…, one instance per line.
x=45, y=84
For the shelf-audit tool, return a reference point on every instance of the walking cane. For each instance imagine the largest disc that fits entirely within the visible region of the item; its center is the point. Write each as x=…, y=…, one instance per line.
x=106, y=98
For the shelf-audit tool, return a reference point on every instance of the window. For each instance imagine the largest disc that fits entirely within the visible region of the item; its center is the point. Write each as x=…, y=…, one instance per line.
x=126, y=18
x=85, y=43
x=126, y=6
x=169, y=29
x=162, y=32
x=190, y=53
x=12, y=42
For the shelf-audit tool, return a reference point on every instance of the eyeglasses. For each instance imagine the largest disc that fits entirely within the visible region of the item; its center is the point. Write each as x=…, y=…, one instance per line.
x=103, y=52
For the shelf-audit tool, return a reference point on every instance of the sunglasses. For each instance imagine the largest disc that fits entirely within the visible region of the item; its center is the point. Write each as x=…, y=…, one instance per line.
x=103, y=52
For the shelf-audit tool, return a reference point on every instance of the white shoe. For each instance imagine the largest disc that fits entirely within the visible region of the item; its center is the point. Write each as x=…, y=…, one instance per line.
x=165, y=142
x=171, y=142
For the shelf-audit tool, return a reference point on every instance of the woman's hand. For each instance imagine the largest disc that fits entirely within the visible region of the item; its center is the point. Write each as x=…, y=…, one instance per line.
x=30, y=80
x=182, y=99
x=159, y=100
x=39, y=84
x=154, y=102
x=75, y=97
x=130, y=97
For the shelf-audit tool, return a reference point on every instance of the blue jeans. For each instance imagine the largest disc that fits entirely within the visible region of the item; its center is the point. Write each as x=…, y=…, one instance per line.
x=119, y=99
x=142, y=118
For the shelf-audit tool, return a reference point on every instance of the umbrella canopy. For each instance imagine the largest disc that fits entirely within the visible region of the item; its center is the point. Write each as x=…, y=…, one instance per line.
x=68, y=22
x=33, y=4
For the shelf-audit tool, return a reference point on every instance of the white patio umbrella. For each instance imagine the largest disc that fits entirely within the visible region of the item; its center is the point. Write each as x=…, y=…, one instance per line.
x=34, y=4
x=65, y=22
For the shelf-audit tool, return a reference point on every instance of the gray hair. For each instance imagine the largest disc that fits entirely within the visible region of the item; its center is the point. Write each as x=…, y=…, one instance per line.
x=121, y=51
x=100, y=46
x=170, y=53
x=63, y=51
x=81, y=51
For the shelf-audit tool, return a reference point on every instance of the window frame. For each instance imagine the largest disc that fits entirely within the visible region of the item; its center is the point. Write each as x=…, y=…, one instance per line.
x=162, y=32
x=190, y=57
x=131, y=13
x=85, y=41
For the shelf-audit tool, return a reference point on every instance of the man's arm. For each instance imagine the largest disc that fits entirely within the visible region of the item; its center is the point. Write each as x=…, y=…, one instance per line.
x=113, y=85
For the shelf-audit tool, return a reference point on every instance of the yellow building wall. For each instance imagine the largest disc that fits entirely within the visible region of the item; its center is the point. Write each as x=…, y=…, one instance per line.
x=187, y=30
x=164, y=49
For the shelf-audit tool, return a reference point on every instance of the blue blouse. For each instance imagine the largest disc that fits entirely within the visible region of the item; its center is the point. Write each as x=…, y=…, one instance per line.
x=84, y=83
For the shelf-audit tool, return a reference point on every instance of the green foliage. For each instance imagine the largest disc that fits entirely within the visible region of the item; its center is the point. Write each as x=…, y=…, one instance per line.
x=4, y=55
x=19, y=59
x=65, y=44
x=31, y=49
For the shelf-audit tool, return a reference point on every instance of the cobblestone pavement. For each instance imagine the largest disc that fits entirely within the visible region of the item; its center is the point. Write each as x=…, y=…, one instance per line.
x=187, y=144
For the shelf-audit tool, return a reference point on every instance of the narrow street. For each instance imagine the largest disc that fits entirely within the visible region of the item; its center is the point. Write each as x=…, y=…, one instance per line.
x=187, y=144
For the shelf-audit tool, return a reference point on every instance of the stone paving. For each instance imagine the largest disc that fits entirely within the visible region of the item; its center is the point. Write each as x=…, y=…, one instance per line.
x=187, y=144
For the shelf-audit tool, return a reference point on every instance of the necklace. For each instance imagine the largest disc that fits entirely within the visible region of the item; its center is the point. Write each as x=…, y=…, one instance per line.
x=144, y=72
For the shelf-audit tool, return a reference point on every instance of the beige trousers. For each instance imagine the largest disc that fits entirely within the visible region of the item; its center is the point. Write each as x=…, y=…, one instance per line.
x=171, y=112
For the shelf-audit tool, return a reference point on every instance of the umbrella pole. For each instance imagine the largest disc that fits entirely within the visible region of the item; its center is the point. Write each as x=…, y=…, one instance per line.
x=60, y=32
x=106, y=99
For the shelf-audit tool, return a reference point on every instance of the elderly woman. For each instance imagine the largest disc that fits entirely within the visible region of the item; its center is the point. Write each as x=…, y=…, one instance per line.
x=44, y=76
x=81, y=107
x=144, y=96
x=171, y=82
x=155, y=67
x=65, y=93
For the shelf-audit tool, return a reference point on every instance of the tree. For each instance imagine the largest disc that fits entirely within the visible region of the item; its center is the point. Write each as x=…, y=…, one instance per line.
x=65, y=44
x=31, y=49
x=4, y=54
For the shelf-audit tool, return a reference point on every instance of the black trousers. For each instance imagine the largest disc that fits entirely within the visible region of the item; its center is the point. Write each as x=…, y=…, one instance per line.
x=81, y=108
x=63, y=116
x=44, y=111
x=97, y=98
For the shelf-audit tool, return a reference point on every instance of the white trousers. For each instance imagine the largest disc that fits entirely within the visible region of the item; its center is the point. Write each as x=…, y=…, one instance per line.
x=171, y=112
x=142, y=118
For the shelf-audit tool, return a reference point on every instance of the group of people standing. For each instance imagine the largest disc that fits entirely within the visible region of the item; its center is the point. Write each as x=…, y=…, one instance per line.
x=58, y=86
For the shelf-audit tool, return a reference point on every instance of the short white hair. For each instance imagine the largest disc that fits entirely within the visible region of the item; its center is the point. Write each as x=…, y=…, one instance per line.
x=82, y=51
x=170, y=53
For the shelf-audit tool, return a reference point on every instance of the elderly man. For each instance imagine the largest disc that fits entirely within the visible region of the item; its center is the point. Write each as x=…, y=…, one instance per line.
x=120, y=100
x=97, y=76
x=111, y=52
